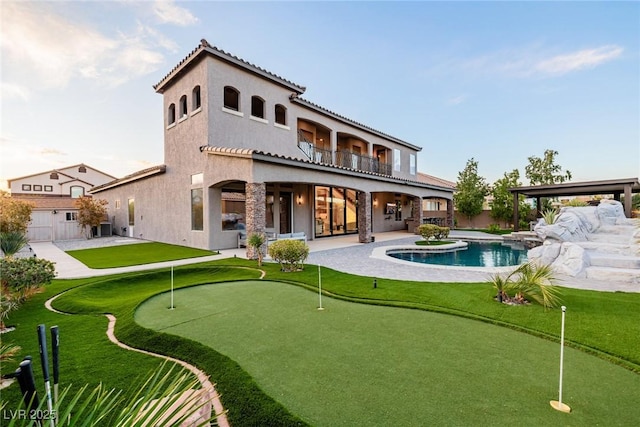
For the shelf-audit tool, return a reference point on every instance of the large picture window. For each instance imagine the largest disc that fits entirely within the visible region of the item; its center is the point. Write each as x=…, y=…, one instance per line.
x=233, y=211
x=336, y=211
x=197, y=210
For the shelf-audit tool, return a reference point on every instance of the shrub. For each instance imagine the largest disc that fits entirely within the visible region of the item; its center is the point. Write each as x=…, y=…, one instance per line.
x=549, y=216
x=493, y=228
x=432, y=231
x=21, y=278
x=291, y=254
x=12, y=241
x=576, y=203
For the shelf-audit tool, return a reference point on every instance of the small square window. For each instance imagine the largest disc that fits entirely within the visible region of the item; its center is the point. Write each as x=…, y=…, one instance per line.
x=117, y=203
x=48, y=188
x=26, y=187
x=72, y=216
x=37, y=188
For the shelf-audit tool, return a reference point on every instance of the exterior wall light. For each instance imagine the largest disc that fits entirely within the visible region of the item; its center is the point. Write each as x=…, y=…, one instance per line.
x=299, y=199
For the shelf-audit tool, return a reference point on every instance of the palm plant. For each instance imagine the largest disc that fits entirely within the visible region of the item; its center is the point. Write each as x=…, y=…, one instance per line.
x=12, y=241
x=529, y=282
x=257, y=241
x=164, y=399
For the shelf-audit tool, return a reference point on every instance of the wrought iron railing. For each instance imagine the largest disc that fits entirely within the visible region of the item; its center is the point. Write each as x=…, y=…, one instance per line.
x=343, y=158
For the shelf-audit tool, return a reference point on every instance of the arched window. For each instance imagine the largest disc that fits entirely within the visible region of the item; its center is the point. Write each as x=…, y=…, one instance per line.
x=195, y=98
x=54, y=175
x=77, y=191
x=183, y=106
x=231, y=98
x=257, y=107
x=82, y=169
x=281, y=115
x=171, y=114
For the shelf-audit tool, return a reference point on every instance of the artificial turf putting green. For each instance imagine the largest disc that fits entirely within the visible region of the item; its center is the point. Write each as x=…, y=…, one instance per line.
x=135, y=254
x=355, y=364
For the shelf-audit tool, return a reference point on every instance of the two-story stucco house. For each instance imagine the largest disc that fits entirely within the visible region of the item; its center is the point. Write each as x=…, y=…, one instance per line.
x=53, y=194
x=244, y=150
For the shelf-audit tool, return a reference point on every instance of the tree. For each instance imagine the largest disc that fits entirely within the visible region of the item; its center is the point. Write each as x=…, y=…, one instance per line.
x=502, y=203
x=91, y=212
x=545, y=171
x=471, y=190
x=15, y=214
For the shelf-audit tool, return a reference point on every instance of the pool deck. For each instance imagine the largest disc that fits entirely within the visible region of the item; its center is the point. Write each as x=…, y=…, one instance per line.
x=343, y=253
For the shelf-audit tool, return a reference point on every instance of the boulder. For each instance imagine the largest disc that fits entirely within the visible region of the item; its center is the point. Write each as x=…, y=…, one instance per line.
x=572, y=260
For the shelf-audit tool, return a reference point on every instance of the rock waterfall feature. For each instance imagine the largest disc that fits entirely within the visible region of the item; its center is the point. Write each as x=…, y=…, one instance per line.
x=592, y=242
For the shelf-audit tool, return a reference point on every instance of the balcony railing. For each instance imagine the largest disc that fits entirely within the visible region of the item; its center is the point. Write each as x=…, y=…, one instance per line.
x=343, y=158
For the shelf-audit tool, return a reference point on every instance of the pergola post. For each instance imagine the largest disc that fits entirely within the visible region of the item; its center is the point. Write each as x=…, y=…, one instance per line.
x=516, y=213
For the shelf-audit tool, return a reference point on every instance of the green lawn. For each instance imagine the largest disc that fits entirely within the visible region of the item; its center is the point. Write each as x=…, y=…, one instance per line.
x=135, y=254
x=356, y=364
x=603, y=324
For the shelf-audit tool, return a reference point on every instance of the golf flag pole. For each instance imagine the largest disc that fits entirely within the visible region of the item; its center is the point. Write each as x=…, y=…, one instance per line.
x=171, y=287
x=320, y=288
x=42, y=341
x=55, y=346
x=557, y=404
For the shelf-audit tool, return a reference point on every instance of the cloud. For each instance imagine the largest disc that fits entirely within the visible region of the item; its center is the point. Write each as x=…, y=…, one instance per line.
x=170, y=13
x=10, y=91
x=588, y=58
x=531, y=61
x=456, y=100
x=45, y=49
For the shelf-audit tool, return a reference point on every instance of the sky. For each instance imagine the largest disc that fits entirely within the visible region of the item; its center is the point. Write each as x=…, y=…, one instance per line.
x=496, y=82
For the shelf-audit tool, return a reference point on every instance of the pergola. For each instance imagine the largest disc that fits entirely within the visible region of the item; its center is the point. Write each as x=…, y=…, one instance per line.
x=616, y=187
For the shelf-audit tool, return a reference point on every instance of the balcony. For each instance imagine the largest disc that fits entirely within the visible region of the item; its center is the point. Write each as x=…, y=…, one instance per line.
x=343, y=158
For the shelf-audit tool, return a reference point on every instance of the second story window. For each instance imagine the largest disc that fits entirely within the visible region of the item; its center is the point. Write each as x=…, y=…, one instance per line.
x=171, y=114
x=195, y=98
x=231, y=98
x=412, y=164
x=281, y=115
x=183, y=106
x=77, y=192
x=257, y=107
x=396, y=160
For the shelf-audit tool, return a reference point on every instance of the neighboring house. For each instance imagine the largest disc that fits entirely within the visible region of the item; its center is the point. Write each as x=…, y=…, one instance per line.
x=53, y=193
x=244, y=150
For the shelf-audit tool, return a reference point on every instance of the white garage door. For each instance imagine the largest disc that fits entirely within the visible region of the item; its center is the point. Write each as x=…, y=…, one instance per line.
x=41, y=227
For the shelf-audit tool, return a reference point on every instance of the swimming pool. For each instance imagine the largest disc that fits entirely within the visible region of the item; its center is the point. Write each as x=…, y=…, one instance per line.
x=472, y=254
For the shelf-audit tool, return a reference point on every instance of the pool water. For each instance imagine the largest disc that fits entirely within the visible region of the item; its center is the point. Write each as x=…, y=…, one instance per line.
x=493, y=254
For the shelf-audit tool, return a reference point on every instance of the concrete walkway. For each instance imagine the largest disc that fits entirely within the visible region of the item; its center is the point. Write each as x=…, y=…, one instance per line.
x=344, y=254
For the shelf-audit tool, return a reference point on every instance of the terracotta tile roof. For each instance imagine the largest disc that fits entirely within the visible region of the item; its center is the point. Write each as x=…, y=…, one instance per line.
x=145, y=173
x=253, y=154
x=430, y=179
x=49, y=203
x=205, y=48
x=301, y=101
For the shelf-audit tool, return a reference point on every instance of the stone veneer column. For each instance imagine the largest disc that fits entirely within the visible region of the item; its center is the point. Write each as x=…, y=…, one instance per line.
x=364, y=217
x=417, y=210
x=450, y=214
x=256, y=212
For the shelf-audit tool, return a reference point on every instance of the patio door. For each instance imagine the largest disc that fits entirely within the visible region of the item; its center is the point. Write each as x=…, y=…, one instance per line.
x=285, y=213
